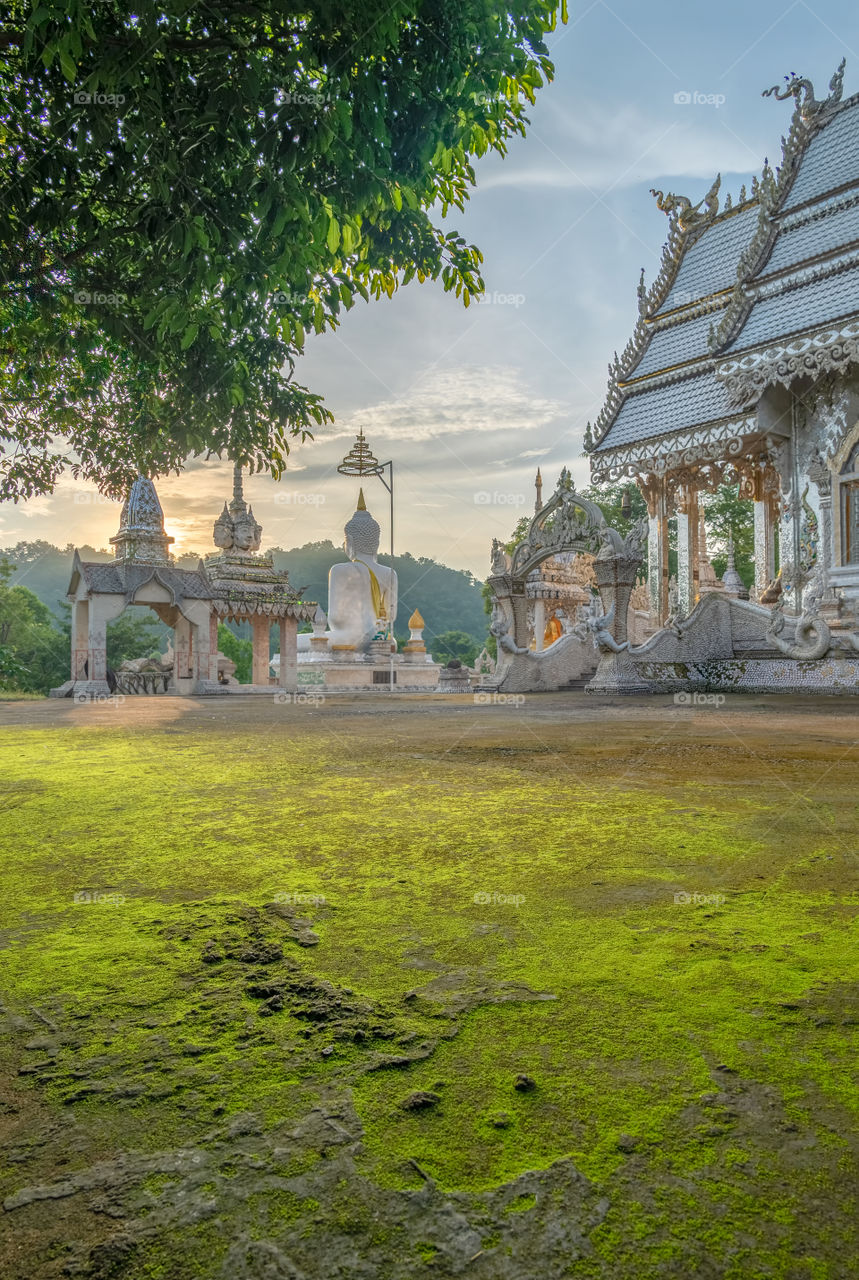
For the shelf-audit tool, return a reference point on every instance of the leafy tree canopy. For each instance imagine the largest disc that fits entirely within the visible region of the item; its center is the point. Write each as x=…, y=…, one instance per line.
x=134, y=634
x=730, y=518
x=238, y=650
x=190, y=189
x=34, y=652
x=454, y=644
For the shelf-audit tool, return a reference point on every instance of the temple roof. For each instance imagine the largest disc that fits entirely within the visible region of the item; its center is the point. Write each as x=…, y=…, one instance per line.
x=118, y=578
x=682, y=404
x=710, y=263
x=733, y=282
x=831, y=160
x=799, y=309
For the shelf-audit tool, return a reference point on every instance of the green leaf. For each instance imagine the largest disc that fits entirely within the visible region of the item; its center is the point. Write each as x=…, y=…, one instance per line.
x=333, y=237
x=67, y=64
x=189, y=336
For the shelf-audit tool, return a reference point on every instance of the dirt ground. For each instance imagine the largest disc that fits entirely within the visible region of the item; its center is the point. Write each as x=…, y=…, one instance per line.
x=397, y=986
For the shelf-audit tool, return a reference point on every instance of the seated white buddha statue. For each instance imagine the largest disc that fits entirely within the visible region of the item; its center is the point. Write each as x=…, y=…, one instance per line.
x=362, y=594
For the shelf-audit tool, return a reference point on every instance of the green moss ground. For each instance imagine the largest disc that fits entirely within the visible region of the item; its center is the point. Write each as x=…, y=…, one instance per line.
x=696, y=1063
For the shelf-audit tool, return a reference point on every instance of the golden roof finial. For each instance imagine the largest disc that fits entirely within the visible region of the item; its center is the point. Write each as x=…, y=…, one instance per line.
x=362, y=506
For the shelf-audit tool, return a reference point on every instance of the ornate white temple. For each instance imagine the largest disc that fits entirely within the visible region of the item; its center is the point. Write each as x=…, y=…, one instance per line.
x=744, y=368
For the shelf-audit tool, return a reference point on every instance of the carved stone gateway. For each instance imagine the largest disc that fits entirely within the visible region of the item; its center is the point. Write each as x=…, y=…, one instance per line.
x=235, y=584
x=568, y=523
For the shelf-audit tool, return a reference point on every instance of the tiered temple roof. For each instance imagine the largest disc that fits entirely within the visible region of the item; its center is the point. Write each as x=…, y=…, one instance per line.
x=749, y=295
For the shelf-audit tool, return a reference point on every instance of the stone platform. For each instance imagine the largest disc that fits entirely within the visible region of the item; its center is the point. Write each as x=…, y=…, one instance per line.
x=348, y=677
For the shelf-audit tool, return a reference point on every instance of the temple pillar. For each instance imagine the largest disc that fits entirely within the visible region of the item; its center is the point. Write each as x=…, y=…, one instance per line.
x=80, y=638
x=821, y=474
x=687, y=549
x=97, y=642
x=213, y=646
x=182, y=669
x=539, y=625
x=100, y=610
x=288, y=679
x=261, y=630
x=519, y=607
x=203, y=658
x=654, y=491
x=764, y=545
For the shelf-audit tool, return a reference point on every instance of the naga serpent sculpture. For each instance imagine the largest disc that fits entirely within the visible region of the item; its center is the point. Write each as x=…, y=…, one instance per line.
x=500, y=627
x=812, y=637
x=598, y=625
x=800, y=88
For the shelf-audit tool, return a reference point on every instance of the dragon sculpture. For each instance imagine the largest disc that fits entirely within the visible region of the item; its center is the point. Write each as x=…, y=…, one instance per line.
x=812, y=637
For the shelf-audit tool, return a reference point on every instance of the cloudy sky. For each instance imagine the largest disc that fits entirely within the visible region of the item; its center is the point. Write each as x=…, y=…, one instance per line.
x=467, y=403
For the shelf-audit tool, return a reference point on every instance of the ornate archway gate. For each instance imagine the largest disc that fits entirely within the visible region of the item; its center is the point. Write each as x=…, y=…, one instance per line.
x=568, y=523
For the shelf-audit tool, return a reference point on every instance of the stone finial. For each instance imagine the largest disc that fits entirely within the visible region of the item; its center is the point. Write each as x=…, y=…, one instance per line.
x=320, y=621
x=141, y=537
x=415, y=643
x=235, y=528
x=731, y=580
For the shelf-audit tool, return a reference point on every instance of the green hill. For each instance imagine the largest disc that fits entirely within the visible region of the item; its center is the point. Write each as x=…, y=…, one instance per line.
x=449, y=599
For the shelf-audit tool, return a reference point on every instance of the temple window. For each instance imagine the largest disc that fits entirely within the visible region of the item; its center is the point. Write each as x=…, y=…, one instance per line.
x=849, y=491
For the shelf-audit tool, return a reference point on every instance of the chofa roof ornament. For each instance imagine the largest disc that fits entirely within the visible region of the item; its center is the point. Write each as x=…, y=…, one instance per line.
x=798, y=87
x=687, y=214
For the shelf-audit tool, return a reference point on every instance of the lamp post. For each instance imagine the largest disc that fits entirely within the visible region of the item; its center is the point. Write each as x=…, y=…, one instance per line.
x=360, y=461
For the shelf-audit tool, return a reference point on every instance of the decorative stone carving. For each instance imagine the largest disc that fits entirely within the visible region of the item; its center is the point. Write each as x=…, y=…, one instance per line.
x=812, y=637
x=235, y=528
x=723, y=441
x=499, y=559
x=566, y=523
x=501, y=627
x=687, y=214
x=598, y=626
x=810, y=355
